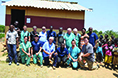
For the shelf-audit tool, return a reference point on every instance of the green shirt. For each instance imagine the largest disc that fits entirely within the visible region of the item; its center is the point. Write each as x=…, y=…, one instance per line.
x=25, y=47
x=74, y=52
x=68, y=38
x=23, y=34
x=77, y=38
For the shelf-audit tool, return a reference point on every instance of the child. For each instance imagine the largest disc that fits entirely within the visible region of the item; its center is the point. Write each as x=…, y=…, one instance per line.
x=99, y=55
x=108, y=54
x=115, y=52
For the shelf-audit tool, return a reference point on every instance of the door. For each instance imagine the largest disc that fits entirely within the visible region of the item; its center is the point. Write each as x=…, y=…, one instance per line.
x=18, y=15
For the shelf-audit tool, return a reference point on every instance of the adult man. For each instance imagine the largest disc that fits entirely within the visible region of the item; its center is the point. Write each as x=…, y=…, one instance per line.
x=62, y=54
x=25, y=51
x=73, y=55
x=33, y=33
x=49, y=52
x=92, y=38
x=77, y=37
x=43, y=35
x=51, y=33
x=87, y=54
x=68, y=37
x=24, y=33
x=12, y=44
x=36, y=50
x=60, y=36
x=16, y=26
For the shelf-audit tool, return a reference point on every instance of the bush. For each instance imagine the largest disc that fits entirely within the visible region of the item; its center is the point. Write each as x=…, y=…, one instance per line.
x=2, y=28
x=2, y=35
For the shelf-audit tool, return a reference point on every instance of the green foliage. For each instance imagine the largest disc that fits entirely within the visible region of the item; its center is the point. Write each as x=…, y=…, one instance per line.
x=108, y=32
x=2, y=28
x=2, y=35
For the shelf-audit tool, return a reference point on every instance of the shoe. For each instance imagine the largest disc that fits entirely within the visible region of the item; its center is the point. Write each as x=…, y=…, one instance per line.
x=54, y=67
x=9, y=63
x=68, y=66
x=17, y=64
x=28, y=65
x=98, y=66
x=41, y=66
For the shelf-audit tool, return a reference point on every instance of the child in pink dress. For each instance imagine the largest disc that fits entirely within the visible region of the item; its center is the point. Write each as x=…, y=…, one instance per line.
x=108, y=54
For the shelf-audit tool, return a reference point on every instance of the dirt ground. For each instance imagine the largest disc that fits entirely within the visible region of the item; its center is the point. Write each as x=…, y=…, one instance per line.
x=35, y=71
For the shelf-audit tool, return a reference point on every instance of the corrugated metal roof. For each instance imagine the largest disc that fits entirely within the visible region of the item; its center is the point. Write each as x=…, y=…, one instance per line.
x=46, y=5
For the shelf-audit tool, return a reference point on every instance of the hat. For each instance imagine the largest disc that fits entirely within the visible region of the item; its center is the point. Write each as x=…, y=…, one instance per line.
x=51, y=38
x=34, y=27
x=43, y=27
x=36, y=35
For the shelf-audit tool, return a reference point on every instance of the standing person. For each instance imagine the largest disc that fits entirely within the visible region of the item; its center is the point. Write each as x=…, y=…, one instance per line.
x=33, y=33
x=51, y=33
x=73, y=55
x=92, y=38
x=82, y=37
x=25, y=51
x=12, y=44
x=60, y=36
x=77, y=37
x=115, y=52
x=99, y=54
x=87, y=54
x=62, y=54
x=16, y=26
x=43, y=35
x=24, y=33
x=68, y=37
x=105, y=43
x=108, y=54
x=49, y=52
x=36, y=50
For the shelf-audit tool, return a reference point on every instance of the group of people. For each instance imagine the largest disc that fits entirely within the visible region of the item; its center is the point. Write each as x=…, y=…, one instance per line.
x=69, y=49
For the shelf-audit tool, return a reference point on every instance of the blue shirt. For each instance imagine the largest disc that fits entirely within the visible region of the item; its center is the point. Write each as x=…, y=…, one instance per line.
x=51, y=34
x=48, y=48
x=92, y=38
x=74, y=52
x=43, y=36
x=99, y=50
x=62, y=53
x=36, y=46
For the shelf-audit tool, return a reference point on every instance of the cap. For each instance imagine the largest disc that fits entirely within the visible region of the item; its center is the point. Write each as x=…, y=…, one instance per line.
x=43, y=27
x=51, y=38
x=36, y=35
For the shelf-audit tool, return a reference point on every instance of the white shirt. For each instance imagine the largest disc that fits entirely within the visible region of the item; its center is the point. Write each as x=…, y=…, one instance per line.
x=11, y=36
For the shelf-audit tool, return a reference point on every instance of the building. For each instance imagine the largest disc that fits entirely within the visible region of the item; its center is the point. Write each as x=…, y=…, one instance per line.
x=47, y=13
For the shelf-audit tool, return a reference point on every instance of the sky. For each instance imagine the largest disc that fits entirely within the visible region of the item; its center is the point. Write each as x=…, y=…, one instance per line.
x=103, y=17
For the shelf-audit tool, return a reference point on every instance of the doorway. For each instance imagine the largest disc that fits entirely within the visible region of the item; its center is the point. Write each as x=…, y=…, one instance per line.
x=18, y=15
